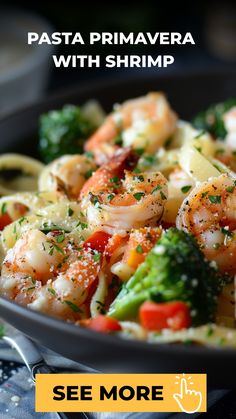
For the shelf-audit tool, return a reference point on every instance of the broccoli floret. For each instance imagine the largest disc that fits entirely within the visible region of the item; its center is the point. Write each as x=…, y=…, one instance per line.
x=63, y=131
x=175, y=269
x=211, y=120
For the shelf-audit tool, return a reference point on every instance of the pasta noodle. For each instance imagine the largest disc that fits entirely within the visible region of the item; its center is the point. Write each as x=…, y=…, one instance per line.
x=185, y=134
x=210, y=335
x=30, y=167
x=98, y=300
x=196, y=165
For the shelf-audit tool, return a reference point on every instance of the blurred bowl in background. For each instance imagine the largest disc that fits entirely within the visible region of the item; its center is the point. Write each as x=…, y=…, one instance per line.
x=220, y=30
x=24, y=69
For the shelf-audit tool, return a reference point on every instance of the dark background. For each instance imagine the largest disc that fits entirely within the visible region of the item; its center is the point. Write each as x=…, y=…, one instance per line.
x=212, y=24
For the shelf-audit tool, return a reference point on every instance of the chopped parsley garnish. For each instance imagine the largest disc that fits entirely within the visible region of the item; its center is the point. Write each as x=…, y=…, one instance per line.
x=139, y=249
x=21, y=220
x=100, y=307
x=110, y=197
x=30, y=288
x=139, y=178
x=230, y=189
x=15, y=232
x=53, y=247
x=60, y=238
x=82, y=225
x=88, y=174
x=227, y=232
x=47, y=227
x=89, y=154
x=214, y=199
x=94, y=199
x=138, y=195
x=115, y=180
x=73, y=306
x=118, y=140
x=186, y=188
x=205, y=194
x=4, y=208
x=100, y=303
x=157, y=188
x=209, y=332
x=139, y=151
x=150, y=159
x=52, y=291
x=136, y=170
x=97, y=257
x=70, y=212
x=162, y=195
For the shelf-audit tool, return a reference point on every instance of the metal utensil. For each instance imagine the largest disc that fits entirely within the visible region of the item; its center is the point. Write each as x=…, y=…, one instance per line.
x=29, y=354
x=34, y=361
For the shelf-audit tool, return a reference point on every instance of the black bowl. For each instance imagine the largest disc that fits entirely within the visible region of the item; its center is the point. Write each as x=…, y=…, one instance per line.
x=18, y=132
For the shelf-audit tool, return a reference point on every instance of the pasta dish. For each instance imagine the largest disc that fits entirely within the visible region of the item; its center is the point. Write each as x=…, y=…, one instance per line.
x=128, y=226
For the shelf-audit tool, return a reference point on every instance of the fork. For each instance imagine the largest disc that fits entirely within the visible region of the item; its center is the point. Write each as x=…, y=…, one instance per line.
x=35, y=362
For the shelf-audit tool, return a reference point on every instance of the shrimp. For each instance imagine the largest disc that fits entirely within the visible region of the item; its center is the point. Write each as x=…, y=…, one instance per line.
x=51, y=273
x=146, y=122
x=117, y=198
x=209, y=213
x=67, y=174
